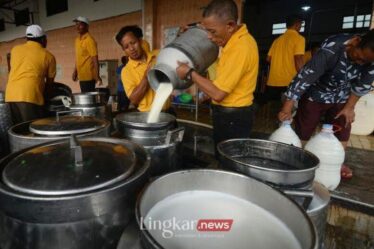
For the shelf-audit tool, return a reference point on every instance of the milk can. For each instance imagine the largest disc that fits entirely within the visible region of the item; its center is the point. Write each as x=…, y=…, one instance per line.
x=192, y=47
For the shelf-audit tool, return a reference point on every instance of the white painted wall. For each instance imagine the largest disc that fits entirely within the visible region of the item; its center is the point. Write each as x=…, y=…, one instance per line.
x=92, y=10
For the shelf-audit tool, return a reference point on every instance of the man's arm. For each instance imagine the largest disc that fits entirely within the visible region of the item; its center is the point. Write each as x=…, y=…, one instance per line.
x=139, y=91
x=51, y=72
x=235, y=66
x=360, y=87
x=299, y=62
x=203, y=83
x=95, y=62
x=74, y=76
x=268, y=59
x=349, y=109
x=307, y=77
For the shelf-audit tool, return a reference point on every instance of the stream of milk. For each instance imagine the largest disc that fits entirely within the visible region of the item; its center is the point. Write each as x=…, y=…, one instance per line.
x=162, y=94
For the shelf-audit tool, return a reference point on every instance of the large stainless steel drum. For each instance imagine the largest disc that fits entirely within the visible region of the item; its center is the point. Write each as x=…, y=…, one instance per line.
x=160, y=139
x=40, y=131
x=282, y=166
x=5, y=124
x=92, y=104
x=220, y=209
x=268, y=161
x=74, y=194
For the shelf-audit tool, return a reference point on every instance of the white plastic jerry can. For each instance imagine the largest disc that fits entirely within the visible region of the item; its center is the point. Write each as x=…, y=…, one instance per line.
x=331, y=154
x=285, y=134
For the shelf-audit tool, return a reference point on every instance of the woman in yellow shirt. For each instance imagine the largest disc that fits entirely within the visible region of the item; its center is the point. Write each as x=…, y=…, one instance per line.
x=134, y=74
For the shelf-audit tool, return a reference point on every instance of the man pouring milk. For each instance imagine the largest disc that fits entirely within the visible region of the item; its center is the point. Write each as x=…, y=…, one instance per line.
x=236, y=76
x=134, y=74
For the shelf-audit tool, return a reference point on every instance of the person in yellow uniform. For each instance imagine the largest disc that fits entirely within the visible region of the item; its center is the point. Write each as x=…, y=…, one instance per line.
x=134, y=74
x=32, y=65
x=236, y=72
x=86, y=68
x=286, y=58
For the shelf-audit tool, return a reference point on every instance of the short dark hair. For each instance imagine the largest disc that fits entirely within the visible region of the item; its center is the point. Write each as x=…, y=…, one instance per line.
x=138, y=30
x=124, y=60
x=292, y=20
x=38, y=39
x=224, y=9
x=124, y=30
x=367, y=40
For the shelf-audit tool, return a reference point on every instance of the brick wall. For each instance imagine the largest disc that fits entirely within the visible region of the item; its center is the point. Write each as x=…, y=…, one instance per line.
x=61, y=45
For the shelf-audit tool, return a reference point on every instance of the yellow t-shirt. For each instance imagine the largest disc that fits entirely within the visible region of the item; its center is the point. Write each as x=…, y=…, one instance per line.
x=282, y=52
x=30, y=64
x=212, y=71
x=85, y=48
x=131, y=77
x=237, y=69
x=307, y=56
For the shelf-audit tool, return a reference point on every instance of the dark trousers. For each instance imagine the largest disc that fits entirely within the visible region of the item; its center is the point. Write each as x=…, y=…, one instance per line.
x=123, y=101
x=22, y=112
x=87, y=85
x=232, y=122
x=309, y=114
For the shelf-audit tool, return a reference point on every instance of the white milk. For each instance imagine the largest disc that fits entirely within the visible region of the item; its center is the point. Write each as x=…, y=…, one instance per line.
x=162, y=94
x=252, y=227
x=285, y=134
x=331, y=156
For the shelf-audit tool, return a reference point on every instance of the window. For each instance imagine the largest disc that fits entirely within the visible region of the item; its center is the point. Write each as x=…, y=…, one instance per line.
x=56, y=6
x=280, y=28
x=21, y=17
x=348, y=22
x=362, y=21
x=302, y=27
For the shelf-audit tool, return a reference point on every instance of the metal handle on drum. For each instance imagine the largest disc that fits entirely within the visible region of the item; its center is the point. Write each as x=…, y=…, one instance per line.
x=65, y=112
x=307, y=194
x=78, y=155
x=175, y=135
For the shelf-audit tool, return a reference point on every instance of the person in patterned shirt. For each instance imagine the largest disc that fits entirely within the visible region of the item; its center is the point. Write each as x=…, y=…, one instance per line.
x=330, y=85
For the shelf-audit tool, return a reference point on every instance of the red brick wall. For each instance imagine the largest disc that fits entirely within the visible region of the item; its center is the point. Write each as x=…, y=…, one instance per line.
x=61, y=45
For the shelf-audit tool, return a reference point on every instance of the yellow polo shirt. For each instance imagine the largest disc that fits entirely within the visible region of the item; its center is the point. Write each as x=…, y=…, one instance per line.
x=85, y=48
x=237, y=69
x=131, y=76
x=282, y=52
x=30, y=65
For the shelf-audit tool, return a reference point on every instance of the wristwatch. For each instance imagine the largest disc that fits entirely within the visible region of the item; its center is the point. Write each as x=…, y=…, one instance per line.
x=189, y=74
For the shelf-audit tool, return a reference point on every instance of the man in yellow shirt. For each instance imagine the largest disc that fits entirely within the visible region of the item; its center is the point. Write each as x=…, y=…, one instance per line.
x=86, y=57
x=134, y=74
x=31, y=67
x=236, y=76
x=286, y=59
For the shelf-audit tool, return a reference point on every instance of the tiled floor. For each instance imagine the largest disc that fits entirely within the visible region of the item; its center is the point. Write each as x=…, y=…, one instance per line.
x=265, y=122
